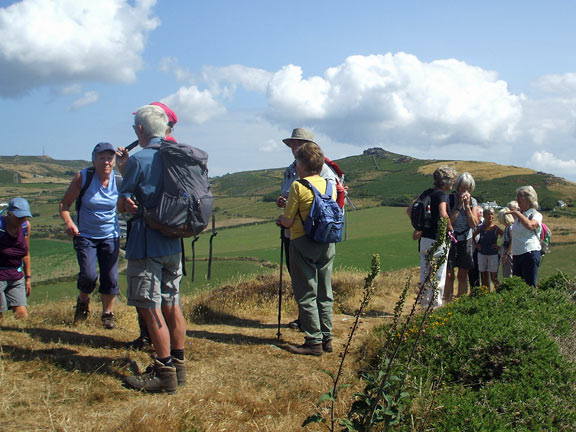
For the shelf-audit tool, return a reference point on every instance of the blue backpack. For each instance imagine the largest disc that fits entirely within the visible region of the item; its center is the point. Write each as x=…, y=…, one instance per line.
x=325, y=220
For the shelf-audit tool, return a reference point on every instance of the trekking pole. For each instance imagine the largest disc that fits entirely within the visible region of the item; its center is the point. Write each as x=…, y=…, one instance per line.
x=214, y=234
x=280, y=284
x=193, y=256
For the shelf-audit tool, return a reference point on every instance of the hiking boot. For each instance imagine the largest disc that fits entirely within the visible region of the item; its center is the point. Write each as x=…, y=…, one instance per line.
x=82, y=311
x=180, y=369
x=295, y=325
x=327, y=346
x=142, y=343
x=108, y=320
x=158, y=378
x=306, y=349
x=180, y=366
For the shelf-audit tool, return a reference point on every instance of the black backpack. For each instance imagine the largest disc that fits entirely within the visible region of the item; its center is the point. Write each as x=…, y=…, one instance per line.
x=184, y=202
x=421, y=214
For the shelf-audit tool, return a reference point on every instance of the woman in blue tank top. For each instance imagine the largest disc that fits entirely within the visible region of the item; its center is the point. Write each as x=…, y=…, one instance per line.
x=96, y=231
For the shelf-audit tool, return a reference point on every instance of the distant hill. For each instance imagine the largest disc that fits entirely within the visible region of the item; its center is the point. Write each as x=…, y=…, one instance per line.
x=38, y=169
x=377, y=176
x=395, y=179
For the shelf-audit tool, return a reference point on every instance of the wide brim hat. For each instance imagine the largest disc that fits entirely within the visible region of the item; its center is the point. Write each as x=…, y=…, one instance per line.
x=300, y=134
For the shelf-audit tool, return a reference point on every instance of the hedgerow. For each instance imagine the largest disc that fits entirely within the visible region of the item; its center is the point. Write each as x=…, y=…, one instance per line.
x=498, y=360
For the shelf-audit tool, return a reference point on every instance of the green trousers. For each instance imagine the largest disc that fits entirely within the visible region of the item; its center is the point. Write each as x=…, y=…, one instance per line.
x=311, y=272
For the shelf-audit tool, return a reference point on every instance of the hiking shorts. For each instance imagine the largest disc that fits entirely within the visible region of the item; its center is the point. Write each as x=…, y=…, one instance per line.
x=12, y=294
x=154, y=281
x=461, y=254
x=488, y=263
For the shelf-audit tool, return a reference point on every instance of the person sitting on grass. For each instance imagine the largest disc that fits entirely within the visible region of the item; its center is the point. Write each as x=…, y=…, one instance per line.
x=15, y=272
x=487, y=246
x=310, y=262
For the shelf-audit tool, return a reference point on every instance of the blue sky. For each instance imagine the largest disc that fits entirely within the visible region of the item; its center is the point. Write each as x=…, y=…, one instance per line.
x=491, y=81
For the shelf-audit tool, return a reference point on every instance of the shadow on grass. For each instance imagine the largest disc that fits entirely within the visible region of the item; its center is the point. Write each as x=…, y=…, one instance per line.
x=69, y=337
x=206, y=315
x=232, y=338
x=70, y=360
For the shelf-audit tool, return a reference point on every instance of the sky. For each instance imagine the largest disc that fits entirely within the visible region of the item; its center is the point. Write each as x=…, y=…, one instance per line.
x=486, y=81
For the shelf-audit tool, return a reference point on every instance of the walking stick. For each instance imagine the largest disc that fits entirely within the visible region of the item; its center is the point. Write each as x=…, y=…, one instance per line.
x=214, y=234
x=193, y=256
x=280, y=283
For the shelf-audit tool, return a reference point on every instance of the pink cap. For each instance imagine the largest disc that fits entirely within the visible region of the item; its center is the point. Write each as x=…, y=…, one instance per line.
x=172, y=117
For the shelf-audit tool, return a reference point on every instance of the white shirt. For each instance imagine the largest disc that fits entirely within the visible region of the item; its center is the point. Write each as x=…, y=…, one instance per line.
x=526, y=240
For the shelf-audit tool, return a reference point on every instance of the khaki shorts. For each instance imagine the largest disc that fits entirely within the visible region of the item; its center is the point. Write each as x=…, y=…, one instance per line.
x=153, y=282
x=488, y=263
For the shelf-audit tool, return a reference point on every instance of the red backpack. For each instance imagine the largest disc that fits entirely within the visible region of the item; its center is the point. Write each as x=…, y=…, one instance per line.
x=340, y=191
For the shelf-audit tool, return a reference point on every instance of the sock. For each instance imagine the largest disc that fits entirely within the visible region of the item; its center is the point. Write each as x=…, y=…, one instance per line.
x=166, y=361
x=177, y=353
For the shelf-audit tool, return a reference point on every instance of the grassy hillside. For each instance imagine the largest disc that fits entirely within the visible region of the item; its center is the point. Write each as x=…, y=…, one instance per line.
x=375, y=178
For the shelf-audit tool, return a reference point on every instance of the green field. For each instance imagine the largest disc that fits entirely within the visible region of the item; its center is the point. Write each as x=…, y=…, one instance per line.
x=255, y=249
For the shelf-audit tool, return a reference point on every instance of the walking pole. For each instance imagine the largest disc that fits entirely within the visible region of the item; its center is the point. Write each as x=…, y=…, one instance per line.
x=214, y=234
x=193, y=257
x=280, y=284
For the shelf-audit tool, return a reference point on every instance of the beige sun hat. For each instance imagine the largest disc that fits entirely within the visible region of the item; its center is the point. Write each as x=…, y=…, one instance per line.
x=300, y=134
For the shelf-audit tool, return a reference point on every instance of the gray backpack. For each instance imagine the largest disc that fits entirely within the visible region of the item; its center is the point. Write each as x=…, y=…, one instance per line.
x=184, y=202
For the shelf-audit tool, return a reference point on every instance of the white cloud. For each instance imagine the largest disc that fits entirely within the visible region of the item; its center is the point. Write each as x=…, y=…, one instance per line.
x=385, y=98
x=193, y=105
x=251, y=79
x=46, y=42
x=564, y=84
x=71, y=89
x=270, y=146
x=172, y=66
x=548, y=162
x=88, y=98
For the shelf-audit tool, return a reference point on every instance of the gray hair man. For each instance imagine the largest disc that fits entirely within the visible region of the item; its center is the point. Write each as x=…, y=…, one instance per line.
x=154, y=261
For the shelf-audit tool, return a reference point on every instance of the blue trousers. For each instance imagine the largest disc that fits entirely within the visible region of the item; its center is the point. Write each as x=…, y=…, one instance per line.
x=105, y=252
x=526, y=266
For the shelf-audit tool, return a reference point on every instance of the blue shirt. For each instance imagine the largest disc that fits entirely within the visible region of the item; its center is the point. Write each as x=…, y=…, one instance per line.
x=97, y=218
x=142, y=175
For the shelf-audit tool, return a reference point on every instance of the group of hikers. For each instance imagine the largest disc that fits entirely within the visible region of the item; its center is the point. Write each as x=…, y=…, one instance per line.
x=472, y=244
x=312, y=186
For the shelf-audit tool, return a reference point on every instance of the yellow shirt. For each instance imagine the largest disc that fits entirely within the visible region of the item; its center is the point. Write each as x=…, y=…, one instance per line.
x=300, y=199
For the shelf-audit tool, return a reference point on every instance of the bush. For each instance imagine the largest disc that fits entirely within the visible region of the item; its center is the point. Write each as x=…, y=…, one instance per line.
x=271, y=197
x=498, y=360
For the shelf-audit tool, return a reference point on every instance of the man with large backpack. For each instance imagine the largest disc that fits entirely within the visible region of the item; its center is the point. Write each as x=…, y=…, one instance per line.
x=154, y=260
x=298, y=138
x=122, y=154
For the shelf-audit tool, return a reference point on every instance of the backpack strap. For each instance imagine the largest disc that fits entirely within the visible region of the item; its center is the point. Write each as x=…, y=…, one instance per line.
x=311, y=187
x=89, y=176
x=452, y=201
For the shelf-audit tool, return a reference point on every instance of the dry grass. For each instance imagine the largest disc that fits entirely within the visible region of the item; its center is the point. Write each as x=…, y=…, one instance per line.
x=563, y=229
x=60, y=377
x=480, y=170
